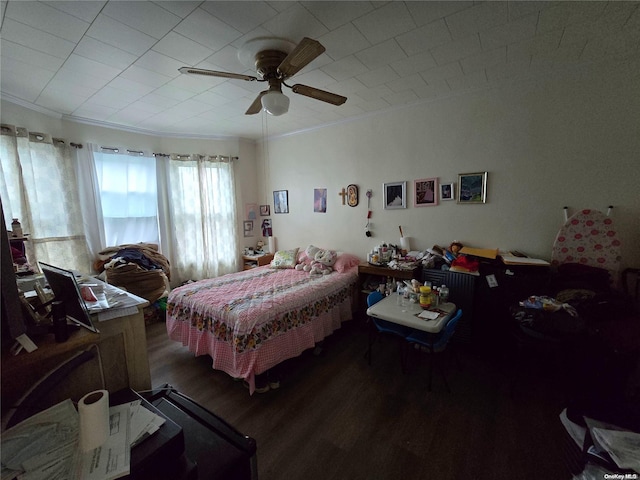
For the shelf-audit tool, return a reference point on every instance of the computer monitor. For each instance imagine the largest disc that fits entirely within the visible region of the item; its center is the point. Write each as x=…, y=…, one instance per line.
x=65, y=288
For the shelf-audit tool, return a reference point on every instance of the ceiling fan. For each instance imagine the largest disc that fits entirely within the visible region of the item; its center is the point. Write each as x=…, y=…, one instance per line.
x=275, y=64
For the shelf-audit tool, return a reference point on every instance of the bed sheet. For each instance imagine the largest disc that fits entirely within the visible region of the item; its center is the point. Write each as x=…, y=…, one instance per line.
x=252, y=320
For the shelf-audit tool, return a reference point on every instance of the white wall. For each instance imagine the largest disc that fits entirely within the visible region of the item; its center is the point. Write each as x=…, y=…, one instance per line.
x=570, y=140
x=573, y=139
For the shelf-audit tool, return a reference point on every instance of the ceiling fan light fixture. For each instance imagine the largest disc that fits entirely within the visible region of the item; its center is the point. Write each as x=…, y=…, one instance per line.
x=275, y=103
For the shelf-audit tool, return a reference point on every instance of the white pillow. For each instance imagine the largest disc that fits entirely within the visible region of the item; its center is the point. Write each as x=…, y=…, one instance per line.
x=285, y=258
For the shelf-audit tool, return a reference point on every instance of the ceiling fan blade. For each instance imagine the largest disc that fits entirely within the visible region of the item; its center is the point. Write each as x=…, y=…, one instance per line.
x=305, y=52
x=214, y=73
x=256, y=106
x=319, y=94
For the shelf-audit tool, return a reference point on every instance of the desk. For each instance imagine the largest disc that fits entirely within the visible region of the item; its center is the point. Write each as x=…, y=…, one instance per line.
x=123, y=349
x=391, y=310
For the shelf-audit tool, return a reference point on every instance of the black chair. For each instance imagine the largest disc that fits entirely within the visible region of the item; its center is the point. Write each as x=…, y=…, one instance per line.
x=385, y=327
x=435, y=343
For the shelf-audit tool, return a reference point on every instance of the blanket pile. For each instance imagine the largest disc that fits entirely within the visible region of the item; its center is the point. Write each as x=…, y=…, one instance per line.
x=138, y=268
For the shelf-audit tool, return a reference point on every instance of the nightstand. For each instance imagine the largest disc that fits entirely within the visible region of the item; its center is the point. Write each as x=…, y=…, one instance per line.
x=253, y=261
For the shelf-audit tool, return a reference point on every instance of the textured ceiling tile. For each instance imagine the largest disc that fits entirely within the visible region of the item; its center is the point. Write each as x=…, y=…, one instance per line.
x=344, y=41
x=345, y=68
x=381, y=54
x=378, y=76
x=62, y=101
x=539, y=45
x=386, y=22
x=416, y=63
x=22, y=80
x=43, y=17
x=295, y=23
x=243, y=16
x=144, y=76
x=182, y=49
x=401, y=98
x=427, y=12
x=37, y=40
x=87, y=11
x=412, y=82
x=104, y=53
x=443, y=72
x=424, y=38
x=508, y=33
x=159, y=63
x=119, y=35
x=30, y=57
x=456, y=50
x=337, y=14
x=377, y=51
x=202, y=27
x=181, y=8
x=146, y=17
x=484, y=59
x=476, y=19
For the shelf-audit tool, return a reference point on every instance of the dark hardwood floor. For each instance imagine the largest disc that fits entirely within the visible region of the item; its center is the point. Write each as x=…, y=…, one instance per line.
x=336, y=417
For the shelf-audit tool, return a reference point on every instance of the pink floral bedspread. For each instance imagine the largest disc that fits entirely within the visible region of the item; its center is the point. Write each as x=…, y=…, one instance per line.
x=252, y=320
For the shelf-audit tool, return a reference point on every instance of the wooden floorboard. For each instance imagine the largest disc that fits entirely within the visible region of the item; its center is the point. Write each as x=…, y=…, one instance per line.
x=335, y=417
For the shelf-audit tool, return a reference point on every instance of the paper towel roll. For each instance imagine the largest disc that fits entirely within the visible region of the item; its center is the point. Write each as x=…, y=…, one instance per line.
x=93, y=409
x=405, y=243
x=272, y=244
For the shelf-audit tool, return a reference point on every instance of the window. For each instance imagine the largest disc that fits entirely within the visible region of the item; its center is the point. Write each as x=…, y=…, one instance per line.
x=129, y=197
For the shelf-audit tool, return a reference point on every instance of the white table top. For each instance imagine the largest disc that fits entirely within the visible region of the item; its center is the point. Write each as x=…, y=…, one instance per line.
x=394, y=310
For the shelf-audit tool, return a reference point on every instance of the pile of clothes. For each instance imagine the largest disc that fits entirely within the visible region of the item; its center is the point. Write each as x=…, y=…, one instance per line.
x=137, y=268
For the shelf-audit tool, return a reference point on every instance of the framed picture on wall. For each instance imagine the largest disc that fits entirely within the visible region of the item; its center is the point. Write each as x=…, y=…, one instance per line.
x=281, y=201
x=251, y=211
x=320, y=200
x=447, y=191
x=265, y=210
x=472, y=187
x=248, y=228
x=425, y=192
x=395, y=195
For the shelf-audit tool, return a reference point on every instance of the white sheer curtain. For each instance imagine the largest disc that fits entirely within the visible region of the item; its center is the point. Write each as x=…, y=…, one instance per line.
x=74, y=202
x=90, y=202
x=201, y=226
x=128, y=195
x=39, y=186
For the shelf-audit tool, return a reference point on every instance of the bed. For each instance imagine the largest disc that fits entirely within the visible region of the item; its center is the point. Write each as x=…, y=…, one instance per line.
x=250, y=321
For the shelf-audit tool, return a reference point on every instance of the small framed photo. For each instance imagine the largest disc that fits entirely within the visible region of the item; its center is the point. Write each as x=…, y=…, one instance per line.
x=447, y=191
x=472, y=187
x=265, y=210
x=252, y=211
x=395, y=195
x=248, y=228
x=281, y=201
x=425, y=192
x=267, y=229
x=320, y=200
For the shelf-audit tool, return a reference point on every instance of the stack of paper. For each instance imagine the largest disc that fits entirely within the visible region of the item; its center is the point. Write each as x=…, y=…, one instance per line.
x=142, y=422
x=45, y=446
x=509, y=259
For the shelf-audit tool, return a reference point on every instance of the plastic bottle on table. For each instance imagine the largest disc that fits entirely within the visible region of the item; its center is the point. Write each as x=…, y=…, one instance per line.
x=444, y=294
x=16, y=228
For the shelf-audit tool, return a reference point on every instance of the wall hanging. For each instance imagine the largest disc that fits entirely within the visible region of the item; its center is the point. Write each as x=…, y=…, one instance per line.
x=395, y=195
x=472, y=187
x=425, y=192
x=281, y=201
